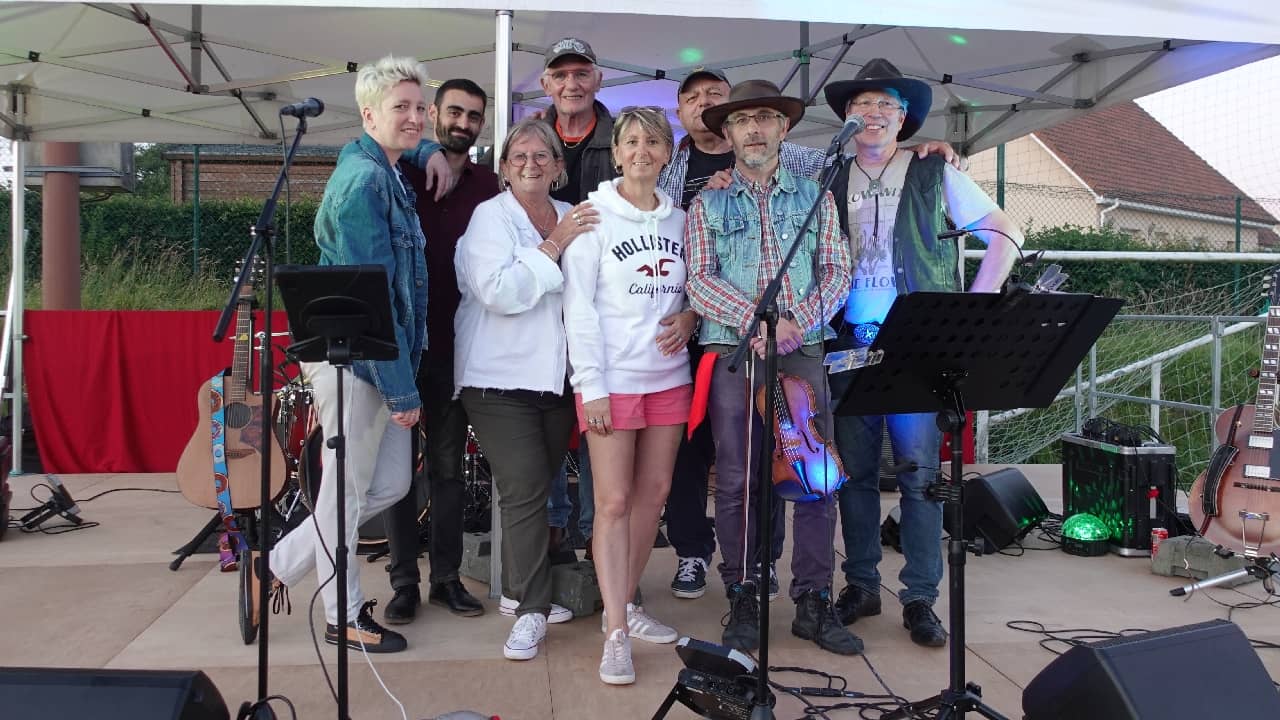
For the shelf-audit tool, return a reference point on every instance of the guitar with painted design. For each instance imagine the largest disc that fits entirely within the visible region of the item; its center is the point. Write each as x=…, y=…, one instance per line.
x=243, y=441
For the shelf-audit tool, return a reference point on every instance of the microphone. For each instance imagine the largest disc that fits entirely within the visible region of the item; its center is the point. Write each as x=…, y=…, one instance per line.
x=311, y=107
x=852, y=126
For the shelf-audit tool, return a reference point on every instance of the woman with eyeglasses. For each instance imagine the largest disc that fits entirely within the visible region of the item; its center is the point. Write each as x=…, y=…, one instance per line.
x=510, y=362
x=628, y=325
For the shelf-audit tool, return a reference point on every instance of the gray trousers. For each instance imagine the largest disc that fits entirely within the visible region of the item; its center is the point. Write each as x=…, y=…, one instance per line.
x=813, y=523
x=524, y=436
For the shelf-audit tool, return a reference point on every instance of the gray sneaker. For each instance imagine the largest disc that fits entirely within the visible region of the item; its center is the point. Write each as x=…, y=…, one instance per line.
x=616, y=667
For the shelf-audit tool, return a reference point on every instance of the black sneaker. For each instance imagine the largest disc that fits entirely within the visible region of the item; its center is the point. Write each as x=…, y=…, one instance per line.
x=365, y=630
x=691, y=578
x=773, y=580
x=816, y=620
x=403, y=606
x=926, y=629
x=742, y=622
x=855, y=602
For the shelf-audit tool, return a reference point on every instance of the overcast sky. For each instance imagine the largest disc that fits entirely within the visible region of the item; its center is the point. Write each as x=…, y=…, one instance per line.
x=1232, y=120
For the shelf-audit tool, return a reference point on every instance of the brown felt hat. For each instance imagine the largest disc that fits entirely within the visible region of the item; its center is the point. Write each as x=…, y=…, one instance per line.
x=753, y=94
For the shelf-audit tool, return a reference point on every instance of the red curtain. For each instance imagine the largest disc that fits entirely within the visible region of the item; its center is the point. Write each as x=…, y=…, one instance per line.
x=115, y=391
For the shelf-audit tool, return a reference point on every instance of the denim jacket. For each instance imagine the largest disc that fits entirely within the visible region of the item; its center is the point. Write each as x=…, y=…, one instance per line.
x=367, y=216
x=733, y=220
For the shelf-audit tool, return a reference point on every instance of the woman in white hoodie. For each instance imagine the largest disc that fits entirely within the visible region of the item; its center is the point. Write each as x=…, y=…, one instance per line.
x=628, y=325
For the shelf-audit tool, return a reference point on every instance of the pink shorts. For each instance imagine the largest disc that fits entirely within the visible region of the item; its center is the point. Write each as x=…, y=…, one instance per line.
x=631, y=411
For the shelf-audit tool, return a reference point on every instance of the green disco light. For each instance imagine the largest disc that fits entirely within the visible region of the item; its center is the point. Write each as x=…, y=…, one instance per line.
x=691, y=55
x=1086, y=535
x=958, y=39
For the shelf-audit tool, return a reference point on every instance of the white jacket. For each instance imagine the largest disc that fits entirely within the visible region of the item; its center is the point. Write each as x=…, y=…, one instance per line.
x=620, y=280
x=508, y=329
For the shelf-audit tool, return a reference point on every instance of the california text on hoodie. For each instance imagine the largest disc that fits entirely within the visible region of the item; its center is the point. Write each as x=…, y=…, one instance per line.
x=620, y=280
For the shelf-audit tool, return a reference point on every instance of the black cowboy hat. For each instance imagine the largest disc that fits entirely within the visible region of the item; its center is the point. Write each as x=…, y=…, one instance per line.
x=880, y=74
x=752, y=94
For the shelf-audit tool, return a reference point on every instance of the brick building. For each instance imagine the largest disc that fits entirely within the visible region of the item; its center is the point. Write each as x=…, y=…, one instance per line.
x=247, y=172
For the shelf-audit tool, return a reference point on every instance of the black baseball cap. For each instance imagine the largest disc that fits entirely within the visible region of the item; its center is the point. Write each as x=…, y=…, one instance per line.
x=570, y=46
x=701, y=72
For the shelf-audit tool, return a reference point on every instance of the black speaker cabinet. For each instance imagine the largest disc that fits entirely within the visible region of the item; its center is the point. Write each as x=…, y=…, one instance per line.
x=38, y=693
x=1131, y=489
x=1001, y=507
x=1193, y=672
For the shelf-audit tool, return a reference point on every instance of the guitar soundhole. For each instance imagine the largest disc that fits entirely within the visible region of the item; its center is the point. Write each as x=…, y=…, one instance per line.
x=238, y=415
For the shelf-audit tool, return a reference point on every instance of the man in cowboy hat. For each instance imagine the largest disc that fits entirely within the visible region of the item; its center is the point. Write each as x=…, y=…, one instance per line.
x=737, y=237
x=892, y=206
x=703, y=159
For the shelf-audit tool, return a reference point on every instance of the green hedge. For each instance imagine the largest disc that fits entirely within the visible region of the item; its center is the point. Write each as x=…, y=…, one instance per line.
x=1133, y=281
x=128, y=225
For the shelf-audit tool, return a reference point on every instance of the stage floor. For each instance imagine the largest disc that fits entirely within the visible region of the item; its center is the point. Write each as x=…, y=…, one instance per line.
x=105, y=598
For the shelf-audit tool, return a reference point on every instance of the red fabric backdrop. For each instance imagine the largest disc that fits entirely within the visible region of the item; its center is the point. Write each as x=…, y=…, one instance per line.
x=115, y=391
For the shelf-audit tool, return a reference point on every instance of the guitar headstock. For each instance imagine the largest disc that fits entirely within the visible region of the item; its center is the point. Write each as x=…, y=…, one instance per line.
x=253, y=279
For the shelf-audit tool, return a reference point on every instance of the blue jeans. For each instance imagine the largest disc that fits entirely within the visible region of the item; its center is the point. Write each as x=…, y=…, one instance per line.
x=558, y=504
x=914, y=437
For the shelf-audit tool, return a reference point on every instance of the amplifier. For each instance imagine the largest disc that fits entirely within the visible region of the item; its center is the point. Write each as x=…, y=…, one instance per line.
x=1131, y=489
x=715, y=697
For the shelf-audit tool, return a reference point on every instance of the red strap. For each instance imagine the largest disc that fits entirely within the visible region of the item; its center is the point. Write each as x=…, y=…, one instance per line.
x=701, y=391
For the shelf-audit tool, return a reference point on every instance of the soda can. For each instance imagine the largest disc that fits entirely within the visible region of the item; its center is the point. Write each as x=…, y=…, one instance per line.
x=1157, y=534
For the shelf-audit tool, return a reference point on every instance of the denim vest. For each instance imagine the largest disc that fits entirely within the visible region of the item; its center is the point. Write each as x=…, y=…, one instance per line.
x=921, y=261
x=363, y=204
x=733, y=216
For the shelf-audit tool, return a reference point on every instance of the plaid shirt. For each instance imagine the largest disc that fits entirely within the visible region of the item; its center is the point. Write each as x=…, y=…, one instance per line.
x=800, y=161
x=717, y=300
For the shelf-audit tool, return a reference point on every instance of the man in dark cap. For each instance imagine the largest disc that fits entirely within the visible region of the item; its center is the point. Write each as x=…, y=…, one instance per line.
x=737, y=237
x=892, y=205
x=571, y=79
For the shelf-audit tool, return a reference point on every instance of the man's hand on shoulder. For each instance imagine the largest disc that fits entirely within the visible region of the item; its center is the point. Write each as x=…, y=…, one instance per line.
x=719, y=181
x=948, y=153
x=439, y=175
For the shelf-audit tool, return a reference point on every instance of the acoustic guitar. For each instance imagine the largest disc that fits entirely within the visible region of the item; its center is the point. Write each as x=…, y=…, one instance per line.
x=1236, y=501
x=244, y=442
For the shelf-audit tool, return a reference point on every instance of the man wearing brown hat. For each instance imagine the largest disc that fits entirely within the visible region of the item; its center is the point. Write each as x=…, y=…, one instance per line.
x=892, y=206
x=736, y=238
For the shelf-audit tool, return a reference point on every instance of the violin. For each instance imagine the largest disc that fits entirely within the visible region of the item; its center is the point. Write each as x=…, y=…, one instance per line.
x=805, y=466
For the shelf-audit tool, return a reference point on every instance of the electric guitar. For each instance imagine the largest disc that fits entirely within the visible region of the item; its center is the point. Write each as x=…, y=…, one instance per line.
x=244, y=442
x=1236, y=501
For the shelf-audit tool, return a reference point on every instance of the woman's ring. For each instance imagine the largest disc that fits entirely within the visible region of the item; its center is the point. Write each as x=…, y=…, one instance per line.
x=577, y=217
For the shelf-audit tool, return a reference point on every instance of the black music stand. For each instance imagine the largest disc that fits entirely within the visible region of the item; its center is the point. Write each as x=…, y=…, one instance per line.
x=338, y=314
x=952, y=352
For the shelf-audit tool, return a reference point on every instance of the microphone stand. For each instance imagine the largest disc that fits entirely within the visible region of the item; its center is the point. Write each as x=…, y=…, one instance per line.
x=261, y=234
x=767, y=311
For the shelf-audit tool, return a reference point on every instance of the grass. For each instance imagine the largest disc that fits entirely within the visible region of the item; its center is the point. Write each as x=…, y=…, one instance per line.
x=131, y=280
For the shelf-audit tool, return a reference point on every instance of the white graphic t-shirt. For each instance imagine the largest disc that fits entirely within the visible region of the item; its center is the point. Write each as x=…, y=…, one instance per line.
x=873, y=210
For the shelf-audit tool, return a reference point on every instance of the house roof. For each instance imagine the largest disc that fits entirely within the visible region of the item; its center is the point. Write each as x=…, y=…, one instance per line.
x=1123, y=153
x=251, y=152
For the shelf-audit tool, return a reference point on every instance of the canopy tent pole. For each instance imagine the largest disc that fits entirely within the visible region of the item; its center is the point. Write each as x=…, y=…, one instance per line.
x=17, y=286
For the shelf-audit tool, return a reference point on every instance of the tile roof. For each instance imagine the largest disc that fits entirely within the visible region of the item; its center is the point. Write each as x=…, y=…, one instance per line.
x=1123, y=153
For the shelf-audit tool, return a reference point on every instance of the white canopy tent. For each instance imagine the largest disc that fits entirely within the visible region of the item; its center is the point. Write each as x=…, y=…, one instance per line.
x=217, y=72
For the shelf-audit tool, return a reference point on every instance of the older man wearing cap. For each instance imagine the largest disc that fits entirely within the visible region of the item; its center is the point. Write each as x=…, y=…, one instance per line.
x=736, y=238
x=571, y=79
x=893, y=205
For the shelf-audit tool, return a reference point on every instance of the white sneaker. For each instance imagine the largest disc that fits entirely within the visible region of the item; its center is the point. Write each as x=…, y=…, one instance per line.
x=558, y=614
x=522, y=643
x=615, y=664
x=642, y=626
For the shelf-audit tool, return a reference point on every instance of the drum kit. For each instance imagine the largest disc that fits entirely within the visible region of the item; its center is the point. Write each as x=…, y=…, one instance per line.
x=297, y=427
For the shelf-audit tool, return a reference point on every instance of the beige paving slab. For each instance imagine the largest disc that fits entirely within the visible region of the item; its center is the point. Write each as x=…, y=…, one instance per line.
x=82, y=615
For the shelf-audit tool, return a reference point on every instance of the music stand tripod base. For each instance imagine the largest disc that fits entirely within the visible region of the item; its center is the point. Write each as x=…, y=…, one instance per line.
x=953, y=352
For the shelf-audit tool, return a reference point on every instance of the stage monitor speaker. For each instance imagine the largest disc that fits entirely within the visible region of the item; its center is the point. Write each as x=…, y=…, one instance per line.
x=1193, y=672
x=1001, y=507
x=109, y=694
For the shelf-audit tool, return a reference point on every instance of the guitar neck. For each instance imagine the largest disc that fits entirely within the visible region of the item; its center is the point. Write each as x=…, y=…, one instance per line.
x=237, y=385
x=1265, y=405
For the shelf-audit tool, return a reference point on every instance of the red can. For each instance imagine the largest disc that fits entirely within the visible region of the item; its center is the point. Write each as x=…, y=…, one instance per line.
x=1157, y=534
